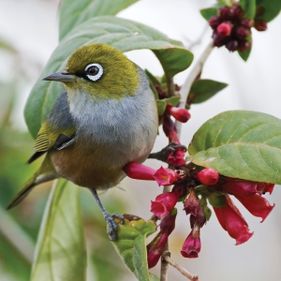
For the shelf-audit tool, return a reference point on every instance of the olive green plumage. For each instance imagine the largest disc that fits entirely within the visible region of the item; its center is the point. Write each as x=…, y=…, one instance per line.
x=106, y=118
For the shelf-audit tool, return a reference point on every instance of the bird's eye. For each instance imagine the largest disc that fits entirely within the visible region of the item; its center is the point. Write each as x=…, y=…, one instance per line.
x=94, y=71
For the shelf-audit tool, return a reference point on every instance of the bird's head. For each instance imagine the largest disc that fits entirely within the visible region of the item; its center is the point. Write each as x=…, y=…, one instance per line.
x=100, y=71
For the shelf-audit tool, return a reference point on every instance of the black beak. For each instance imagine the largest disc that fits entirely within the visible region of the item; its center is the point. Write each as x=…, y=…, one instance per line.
x=60, y=76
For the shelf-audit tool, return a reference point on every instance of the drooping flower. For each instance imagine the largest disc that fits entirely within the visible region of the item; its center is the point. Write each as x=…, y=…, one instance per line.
x=256, y=204
x=192, y=244
x=180, y=114
x=232, y=221
x=156, y=248
x=208, y=176
x=163, y=204
x=239, y=187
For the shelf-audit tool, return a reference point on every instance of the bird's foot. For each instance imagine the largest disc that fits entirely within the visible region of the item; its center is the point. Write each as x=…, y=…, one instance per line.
x=112, y=222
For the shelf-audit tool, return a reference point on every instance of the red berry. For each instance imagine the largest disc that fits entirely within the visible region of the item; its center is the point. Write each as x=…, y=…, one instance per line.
x=244, y=45
x=247, y=23
x=237, y=12
x=232, y=45
x=224, y=29
x=214, y=21
x=242, y=32
x=218, y=40
x=225, y=12
x=260, y=25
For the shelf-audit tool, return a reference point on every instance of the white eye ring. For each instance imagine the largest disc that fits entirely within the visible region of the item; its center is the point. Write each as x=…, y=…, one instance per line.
x=94, y=71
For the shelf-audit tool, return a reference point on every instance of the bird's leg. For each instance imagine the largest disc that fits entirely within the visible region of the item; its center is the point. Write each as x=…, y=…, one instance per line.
x=111, y=224
x=163, y=154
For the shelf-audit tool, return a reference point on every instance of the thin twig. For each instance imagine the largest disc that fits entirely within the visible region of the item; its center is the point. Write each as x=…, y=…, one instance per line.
x=180, y=269
x=191, y=44
x=16, y=235
x=195, y=72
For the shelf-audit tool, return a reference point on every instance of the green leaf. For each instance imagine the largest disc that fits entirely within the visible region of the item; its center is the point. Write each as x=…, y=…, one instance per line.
x=123, y=34
x=269, y=9
x=240, y=144
x=61, y=253
x=204, y=89
x=245, y=54
x=249, y=6
x=208, y=12
x=72, y=13
x=132, y=248
x=162, y=104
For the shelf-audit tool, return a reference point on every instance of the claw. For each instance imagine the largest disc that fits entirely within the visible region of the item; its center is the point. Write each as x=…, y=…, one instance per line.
x=112, y=228
x=162, y=155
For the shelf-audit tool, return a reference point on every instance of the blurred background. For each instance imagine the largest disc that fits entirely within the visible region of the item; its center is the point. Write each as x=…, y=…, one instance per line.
x=28, y=35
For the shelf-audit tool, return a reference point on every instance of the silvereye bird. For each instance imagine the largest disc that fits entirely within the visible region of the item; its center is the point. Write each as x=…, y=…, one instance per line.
x=106, y=118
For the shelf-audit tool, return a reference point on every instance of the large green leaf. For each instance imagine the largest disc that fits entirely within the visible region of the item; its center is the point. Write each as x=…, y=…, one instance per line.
x=270, y=9
x=249, y=6
x=240, y=144
x=132, y=248
x=61, y=253
x=72, y=13
x=123, y=34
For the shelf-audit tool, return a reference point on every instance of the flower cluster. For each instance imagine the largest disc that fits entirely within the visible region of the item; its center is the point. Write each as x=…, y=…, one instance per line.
x=232, y=29
x=194, y=187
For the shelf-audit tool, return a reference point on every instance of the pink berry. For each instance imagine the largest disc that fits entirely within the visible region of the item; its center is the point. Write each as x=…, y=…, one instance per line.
x=208, y=176
x=224, y=29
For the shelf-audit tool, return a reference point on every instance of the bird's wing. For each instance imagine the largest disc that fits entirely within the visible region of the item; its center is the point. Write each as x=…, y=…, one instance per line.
x=57, y=132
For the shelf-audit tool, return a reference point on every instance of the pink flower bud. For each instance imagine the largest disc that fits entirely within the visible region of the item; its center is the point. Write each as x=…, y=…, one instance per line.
x=139, y=171
x=156, y=248
x=177, y=157
x=208, y=176
x=163, y=204
x=165, y=176
x=214, y=21
x=256, y=204
x=233, y=222
x=192, y=244
x=224, y=29
x=180, y=114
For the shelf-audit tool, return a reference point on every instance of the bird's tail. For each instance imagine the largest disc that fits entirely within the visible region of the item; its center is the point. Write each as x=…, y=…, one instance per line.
x=28, y=187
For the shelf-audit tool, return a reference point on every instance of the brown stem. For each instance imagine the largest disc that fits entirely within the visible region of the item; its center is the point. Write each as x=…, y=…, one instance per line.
x=180, y=269
x=171, y=87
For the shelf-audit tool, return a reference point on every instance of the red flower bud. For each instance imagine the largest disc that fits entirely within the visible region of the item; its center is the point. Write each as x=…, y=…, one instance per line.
x=156, y=248
x=170, y=130
x=256, y=204
x=180, y=114
x=242, y=32
x=191, y=204
x=232, y=221
x=176, y=158
x=167, y=224
x=192, y=244
x=163, y=204
x=165, y=176
x=224, y=29
x=208, y=176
